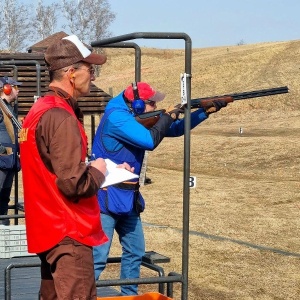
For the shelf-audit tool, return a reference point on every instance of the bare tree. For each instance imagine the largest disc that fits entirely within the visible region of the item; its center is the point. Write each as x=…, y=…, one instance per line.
x=16, y=27
x=20, y=24
x=102, y=18
x=241, y=42
x=88, y=19
x=45, y=21
x=70, y=12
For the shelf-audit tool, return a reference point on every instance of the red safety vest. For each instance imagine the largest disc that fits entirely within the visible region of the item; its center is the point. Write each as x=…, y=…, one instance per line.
x=49, y=215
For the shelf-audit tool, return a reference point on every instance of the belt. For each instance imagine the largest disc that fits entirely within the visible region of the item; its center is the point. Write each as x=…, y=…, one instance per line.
x=126, y=185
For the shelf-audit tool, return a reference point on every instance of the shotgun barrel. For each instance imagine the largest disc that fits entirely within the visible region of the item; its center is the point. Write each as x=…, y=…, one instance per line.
x=241, y=96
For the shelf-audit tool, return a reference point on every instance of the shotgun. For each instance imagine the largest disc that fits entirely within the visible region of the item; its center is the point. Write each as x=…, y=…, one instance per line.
x=150, y=119
x=6, y=110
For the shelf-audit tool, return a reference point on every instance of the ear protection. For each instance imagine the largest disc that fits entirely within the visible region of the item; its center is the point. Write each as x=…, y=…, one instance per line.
x=7, y=88
x=138, y=105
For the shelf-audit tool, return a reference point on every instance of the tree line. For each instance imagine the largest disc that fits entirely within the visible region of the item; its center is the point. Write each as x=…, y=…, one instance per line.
x=22, y=24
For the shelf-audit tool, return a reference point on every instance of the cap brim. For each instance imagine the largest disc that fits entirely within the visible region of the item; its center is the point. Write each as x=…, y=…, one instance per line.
x=95, y=59
x=158, y=96
x=13, y=82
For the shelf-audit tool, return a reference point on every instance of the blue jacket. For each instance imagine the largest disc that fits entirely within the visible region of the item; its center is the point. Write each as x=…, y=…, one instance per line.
x=121, y=138
x=4, y=136
x=8, y=162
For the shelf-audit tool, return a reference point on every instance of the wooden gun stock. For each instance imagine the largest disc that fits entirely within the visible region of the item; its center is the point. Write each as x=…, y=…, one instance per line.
x=149, y=119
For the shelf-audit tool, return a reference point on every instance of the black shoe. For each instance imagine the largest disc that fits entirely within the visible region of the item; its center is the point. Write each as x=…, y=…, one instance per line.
x=148, y=180
x=5, y=222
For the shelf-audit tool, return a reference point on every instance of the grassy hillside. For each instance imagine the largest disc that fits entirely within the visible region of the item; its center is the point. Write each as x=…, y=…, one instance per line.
x=244, y=212
x=215, y=71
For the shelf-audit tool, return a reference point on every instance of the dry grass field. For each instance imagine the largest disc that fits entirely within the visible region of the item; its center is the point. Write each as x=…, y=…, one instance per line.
x=244, y=212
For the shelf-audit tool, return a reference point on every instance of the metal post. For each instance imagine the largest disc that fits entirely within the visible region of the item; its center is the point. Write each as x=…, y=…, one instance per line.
x=137, y=55
x=26, y=63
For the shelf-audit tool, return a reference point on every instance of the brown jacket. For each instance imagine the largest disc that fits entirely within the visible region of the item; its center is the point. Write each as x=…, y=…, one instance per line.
x=72, y=181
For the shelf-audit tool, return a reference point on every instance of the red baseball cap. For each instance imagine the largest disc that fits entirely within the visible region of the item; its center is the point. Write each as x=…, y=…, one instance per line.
x=146, y=92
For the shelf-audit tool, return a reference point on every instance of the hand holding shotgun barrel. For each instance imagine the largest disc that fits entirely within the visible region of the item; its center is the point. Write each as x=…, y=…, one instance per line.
x=212, y=104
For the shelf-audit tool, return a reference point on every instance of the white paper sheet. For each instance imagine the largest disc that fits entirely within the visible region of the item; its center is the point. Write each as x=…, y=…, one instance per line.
x=115, y=175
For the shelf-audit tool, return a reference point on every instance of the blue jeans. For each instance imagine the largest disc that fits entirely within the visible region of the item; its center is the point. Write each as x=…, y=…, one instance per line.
x=131, y=237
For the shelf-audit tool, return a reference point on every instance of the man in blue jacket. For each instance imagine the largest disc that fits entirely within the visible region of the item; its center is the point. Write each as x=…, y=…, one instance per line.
x=121, y=138
x=9, y=89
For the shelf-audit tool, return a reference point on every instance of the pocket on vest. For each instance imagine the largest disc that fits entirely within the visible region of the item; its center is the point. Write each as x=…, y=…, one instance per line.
x=9, y=162
x=122, y=201
x=119, y=201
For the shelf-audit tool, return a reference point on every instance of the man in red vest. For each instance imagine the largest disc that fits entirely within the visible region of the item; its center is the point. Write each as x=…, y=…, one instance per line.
x=62, y=212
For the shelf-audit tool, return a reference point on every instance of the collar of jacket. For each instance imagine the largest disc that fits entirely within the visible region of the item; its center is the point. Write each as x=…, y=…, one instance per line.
x=55, y=91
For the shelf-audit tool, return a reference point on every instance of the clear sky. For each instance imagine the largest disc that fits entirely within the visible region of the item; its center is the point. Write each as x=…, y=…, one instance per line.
x=208, y=23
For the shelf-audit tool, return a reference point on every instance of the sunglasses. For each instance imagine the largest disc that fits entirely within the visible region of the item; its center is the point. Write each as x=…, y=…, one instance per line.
x=150, y=102
x=15, y=87
x=91, y=70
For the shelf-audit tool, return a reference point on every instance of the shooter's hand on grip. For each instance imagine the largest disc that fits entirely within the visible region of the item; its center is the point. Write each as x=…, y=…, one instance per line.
x=175, y=111
x=213, y=106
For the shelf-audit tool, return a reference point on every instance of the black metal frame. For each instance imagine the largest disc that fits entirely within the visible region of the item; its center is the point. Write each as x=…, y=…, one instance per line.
x=14, y=63
x=160, y=279
x=187, y=125
x=137, y=71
